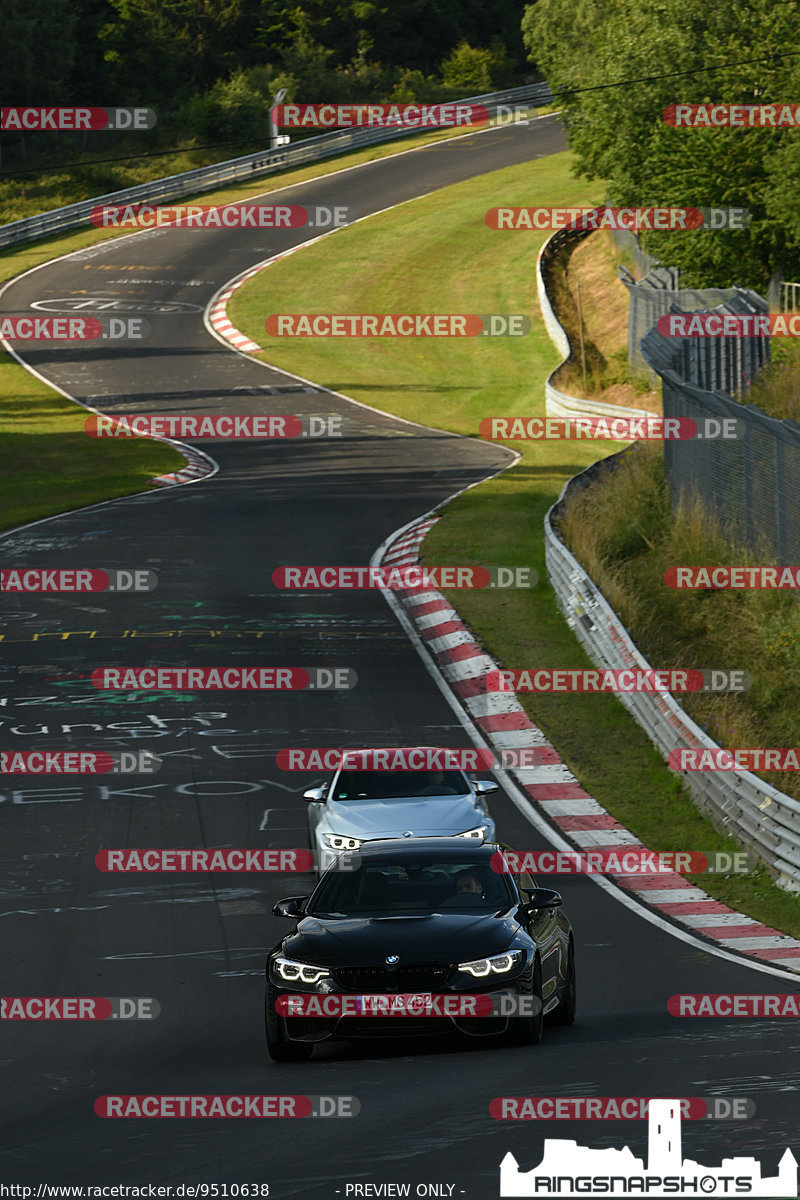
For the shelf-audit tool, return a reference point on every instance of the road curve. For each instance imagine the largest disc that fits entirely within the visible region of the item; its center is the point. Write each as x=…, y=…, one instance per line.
x=197, y=943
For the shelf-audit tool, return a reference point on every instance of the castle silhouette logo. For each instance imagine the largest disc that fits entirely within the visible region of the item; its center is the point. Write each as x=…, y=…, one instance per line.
x=568, y=1169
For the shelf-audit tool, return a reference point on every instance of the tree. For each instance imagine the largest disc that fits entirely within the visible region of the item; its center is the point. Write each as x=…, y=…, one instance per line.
x=619, y=135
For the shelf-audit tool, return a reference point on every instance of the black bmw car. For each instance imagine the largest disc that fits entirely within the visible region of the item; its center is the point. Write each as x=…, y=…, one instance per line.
x=418, y=937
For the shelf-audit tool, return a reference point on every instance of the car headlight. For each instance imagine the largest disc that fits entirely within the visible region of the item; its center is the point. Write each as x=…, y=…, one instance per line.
x=298, y=972
x=337, y=841
x=479, y=833
x=498, y=964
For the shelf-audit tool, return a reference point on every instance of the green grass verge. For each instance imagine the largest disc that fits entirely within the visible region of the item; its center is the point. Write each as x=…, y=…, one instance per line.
x=428, y=255
x=436, y=254
x=757, y=631
x=50, y=465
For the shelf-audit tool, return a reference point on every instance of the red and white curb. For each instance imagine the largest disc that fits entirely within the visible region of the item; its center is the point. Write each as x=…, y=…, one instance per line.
x=197, y=467
x=550, y=784
x=219, y=320
x=217, y=313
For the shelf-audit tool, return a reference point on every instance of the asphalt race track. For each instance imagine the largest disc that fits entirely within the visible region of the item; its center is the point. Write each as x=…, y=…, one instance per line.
x=196, y=943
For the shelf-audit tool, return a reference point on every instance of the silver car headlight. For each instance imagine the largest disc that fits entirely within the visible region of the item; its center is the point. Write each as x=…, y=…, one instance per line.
x=479, y=833
x=498, y=964
x=298, y=972
x=337, y=841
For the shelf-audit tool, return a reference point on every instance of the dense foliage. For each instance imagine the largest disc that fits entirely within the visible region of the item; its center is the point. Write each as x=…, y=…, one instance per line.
x=619, y=135
x=211, y=67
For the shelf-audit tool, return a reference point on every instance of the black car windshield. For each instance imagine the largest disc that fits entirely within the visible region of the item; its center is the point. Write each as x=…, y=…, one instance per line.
x=412, y=888
x=392, y=785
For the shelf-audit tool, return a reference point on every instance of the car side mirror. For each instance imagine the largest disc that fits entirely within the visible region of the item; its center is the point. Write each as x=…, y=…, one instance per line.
x=291, y=907
x=315, y=795
x=484, y=785
x=541, y=898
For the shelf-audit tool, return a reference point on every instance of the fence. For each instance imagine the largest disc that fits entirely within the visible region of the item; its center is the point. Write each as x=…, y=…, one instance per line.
x=628, y=243
x=250, y=166
x=750, y=483
x=657, y=293
x=790, y=297
x=764, y=820
x=757, y=815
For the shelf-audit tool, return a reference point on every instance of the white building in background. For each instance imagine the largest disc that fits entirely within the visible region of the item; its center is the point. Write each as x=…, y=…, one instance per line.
x=565, y=1162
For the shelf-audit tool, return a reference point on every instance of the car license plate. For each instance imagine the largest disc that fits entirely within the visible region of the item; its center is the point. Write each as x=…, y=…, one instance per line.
x=409, y=1004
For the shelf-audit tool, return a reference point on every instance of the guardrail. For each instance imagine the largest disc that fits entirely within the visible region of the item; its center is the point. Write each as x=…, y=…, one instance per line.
x=762, y=819
x=249, y=166
x=557, y=403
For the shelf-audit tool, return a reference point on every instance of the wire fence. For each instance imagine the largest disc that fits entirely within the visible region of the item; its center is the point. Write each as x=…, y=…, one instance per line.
x=752, y=484
x=749, y=481
x=655, y=294
x=628, y=243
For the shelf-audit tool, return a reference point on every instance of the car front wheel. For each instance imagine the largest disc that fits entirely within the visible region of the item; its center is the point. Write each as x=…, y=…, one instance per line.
x=529, y=1028
x=565, y=1013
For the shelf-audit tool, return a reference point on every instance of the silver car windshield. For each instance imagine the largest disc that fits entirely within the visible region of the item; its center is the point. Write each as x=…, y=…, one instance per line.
x=411, y=889
x=391, y=785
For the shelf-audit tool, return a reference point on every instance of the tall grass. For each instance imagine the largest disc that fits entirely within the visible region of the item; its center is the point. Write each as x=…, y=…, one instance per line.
x=621, y=529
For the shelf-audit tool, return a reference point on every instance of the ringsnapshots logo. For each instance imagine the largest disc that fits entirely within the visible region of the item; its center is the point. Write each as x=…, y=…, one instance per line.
x=79, y=1008
x=216, y=216
x=74, y=120
x=79, y=762
x=732, y=116
x=615, y=429
x=412, y=578
x=368, y=325
x=77, y=579
x=568, y=1170
x=380, y=116
x=220, y=426
x=632, y=220
x=199, y=1106
x=74, y=329
x=616, y=1108
x=224, y=679
x=624, y=679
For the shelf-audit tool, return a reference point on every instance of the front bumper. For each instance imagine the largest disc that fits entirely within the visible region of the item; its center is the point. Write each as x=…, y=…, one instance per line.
x=505, y=1001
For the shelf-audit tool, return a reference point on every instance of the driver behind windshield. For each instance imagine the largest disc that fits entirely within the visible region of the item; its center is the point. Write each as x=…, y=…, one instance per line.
x=468, y=884
x=442, y=783
x=410, y=888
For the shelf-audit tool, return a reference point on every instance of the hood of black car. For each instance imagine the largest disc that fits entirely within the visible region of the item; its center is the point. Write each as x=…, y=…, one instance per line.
x=437, y=937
